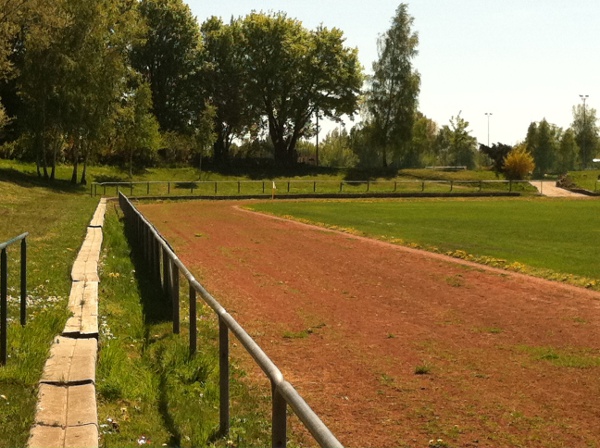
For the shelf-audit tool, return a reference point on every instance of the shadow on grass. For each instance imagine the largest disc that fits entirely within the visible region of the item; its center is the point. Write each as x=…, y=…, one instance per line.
x=157, y=310
x=31, y=180
x=155, y=305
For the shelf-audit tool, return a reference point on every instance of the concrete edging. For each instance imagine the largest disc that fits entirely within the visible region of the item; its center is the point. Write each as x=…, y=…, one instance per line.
x=66, y=414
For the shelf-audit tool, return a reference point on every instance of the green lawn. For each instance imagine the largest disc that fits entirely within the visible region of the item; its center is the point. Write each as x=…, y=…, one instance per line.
x=545, y=234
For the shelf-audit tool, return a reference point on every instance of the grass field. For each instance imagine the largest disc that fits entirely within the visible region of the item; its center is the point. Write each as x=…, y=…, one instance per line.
x=549, y=237
x=56, y=218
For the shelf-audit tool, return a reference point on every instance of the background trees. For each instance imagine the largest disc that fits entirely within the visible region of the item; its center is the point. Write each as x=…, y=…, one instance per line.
x=73, y=75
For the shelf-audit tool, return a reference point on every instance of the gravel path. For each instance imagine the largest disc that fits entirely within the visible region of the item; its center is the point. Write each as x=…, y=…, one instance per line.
x=549, y=188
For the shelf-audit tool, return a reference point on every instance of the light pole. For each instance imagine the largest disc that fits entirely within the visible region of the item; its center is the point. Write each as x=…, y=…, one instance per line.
x=584, y=133
x=489, y=114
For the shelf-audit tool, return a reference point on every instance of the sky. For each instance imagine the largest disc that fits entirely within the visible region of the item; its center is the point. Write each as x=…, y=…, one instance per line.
x=518, y=60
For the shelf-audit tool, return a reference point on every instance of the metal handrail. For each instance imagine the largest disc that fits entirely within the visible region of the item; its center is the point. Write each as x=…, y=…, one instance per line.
x=158, y=253
x=266, y=187
x=4, y=291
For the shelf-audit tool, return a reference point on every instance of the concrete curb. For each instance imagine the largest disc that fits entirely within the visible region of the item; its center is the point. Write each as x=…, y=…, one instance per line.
x=67, y=413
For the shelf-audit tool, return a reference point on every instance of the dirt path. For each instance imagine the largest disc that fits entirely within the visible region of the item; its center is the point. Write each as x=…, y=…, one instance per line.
x=506, y=360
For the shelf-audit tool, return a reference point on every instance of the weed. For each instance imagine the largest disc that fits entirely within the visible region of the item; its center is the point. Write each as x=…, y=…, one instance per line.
x=422, y=369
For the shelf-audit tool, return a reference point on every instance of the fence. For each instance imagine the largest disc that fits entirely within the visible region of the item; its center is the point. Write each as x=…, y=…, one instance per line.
x=4, y=291
x=164, y=264
x=234, y=188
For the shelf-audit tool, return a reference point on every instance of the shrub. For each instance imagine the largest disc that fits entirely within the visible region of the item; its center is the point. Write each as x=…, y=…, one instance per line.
x=518, y=164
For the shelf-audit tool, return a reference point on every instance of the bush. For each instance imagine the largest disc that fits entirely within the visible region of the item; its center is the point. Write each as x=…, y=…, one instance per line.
x=518, y=164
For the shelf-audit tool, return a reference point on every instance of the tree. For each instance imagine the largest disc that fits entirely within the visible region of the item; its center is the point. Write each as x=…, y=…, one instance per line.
x=170, y=60
x=224, y=80
x=497, y=154
x=293, y=72
x=567, y=155
x=394, y=89
x=335, y=150
x=585, y=127
x=519, y=163
x=136, y=130
x=73, y=72
x=542, y=141
x=423, y=140
x=455, y=145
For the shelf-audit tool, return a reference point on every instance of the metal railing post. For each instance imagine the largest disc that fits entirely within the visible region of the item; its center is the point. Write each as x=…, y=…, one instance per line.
x=175, y=297
x=166, y=284
x=3, y=306
x=23, y=282
x=223, y=377
x=279, y=419
x=193, y=323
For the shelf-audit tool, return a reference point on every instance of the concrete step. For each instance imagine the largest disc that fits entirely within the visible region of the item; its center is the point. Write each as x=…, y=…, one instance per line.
x=83, y=303
x=71, y=361
x=85, y=267
x=98, y=218
x=66, y=416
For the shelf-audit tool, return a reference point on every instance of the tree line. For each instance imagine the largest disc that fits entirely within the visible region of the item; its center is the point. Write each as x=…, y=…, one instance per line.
x=138, y=83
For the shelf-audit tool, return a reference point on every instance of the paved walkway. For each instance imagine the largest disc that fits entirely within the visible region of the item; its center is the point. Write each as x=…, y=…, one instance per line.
x=549, y=188
x=67, y=414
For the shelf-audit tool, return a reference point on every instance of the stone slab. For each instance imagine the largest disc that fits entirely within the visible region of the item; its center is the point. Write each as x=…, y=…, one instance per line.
x=98, y=218
x=46, y=437
x=81, y=436
x=60, y=406
x=71, y=361
x=85, y=271
x=51, y=406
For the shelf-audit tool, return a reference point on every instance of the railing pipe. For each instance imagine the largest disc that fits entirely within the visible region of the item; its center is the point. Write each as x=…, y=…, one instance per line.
x=23, y=282
x=223, y=377
x=3, y=307
x=283, y=392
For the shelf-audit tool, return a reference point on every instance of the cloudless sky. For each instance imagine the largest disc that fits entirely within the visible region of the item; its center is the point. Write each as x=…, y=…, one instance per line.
x=520, y=60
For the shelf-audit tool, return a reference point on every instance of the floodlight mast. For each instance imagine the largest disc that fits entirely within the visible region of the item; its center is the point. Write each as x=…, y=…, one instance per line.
x=489, y=114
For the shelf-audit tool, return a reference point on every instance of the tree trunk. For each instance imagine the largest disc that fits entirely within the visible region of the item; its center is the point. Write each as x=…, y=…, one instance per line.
x=75, y=162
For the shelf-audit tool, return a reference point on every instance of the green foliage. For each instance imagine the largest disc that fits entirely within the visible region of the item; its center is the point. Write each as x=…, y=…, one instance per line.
x=393, y=92
x=567, y=155
x=335, y=150
x=497, y=154
x=586, y=130
x=455, y=146
x=542, y=142
x=169, y=58
x=293, y=73
x=224, y=79
x=518, y=164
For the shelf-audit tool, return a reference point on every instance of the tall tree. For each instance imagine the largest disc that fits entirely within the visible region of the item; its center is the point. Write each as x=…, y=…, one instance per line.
x=294, y=72
x=225, y=80
x=542, y=141
x=41, y=74
x=423, y=140
x=170, y=60
x=585, y=126
x=567, y=155
x=455, y=144
x=394, y=89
